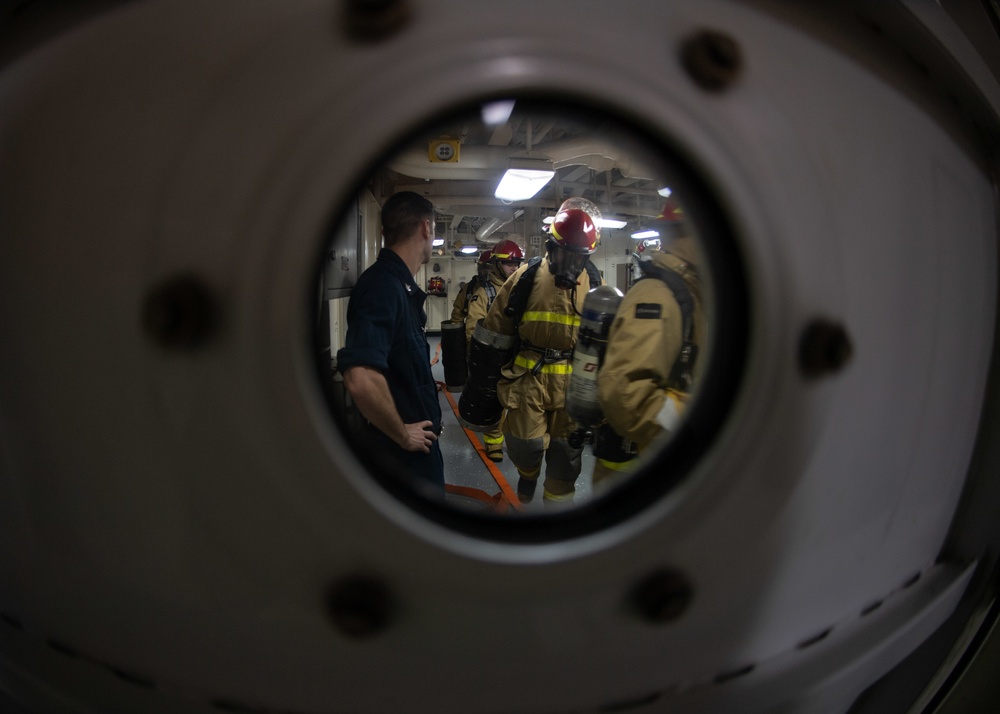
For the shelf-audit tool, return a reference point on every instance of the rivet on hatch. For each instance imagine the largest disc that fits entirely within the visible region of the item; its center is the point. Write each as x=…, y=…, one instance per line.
x=375, y=20
x=360, y=606
x=712, y=59
x=180, y=313
x=824, y=348
x=662, y=596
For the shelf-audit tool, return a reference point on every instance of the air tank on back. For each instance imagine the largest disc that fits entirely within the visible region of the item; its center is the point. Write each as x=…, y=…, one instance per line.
x=453, y=355
x=599, y=310
x=478, y=407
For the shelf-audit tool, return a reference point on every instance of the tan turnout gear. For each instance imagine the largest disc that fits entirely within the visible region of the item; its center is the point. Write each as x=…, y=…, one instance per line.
x=479, y=302
x=643, y=344
x=478, y=306
x=533, y=385
x=458, y=307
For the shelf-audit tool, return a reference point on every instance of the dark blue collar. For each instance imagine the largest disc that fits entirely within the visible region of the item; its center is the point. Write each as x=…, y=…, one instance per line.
x=395, y=265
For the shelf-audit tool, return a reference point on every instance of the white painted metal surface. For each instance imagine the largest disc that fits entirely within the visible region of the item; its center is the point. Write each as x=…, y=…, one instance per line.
x=178, y=516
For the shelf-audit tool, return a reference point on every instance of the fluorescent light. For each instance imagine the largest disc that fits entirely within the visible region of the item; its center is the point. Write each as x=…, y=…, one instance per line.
x=437, y=241
x=665, y=192
x=469, y=249
x=522, y=184
x=646, y=234
x=497, y=113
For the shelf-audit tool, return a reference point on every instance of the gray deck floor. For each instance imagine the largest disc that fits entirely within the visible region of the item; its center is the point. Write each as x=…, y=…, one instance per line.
x=464, y=467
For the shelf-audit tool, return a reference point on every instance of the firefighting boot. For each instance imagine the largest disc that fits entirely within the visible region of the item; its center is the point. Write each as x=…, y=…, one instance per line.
x=527, y=455
x=526, y=489
x=557, y=492
x=493, y=440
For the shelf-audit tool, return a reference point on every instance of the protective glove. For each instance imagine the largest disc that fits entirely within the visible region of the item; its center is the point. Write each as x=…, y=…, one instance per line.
x=672, y=410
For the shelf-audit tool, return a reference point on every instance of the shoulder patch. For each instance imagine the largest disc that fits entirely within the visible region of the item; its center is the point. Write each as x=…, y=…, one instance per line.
x=648, y=311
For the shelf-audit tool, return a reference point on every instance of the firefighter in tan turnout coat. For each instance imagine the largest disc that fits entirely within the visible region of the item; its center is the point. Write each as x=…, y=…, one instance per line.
x=532, y=387
x=503, y=260
x=650, y=363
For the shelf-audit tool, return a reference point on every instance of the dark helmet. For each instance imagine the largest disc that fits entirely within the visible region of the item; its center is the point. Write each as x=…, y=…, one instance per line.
x=484, y=263
x=573, y=238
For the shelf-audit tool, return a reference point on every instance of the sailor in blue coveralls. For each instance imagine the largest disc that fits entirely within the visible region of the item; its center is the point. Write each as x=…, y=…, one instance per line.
x=386, y=359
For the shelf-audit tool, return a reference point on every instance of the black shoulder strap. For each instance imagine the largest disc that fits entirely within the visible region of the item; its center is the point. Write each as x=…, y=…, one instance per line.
x=470, y=287
x=680, y=290
x=520, y=293
x=682, y=371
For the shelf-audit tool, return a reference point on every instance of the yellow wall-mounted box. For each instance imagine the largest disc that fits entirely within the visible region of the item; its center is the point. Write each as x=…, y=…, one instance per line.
x=443, y=150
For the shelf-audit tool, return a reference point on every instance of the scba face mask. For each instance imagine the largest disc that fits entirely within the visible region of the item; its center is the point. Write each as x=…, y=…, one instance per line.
x=566, y=265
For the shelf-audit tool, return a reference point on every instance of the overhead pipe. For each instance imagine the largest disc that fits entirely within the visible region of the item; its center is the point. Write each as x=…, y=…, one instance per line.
x=495, y=224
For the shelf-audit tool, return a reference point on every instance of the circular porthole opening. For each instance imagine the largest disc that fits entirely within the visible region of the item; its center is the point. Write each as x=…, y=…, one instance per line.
x=550, y=291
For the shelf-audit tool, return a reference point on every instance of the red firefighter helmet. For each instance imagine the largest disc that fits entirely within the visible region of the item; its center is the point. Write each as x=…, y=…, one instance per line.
x=572, y=239
x=574, y=230
x=588, y=207
x=484, y=257
x=507, y=251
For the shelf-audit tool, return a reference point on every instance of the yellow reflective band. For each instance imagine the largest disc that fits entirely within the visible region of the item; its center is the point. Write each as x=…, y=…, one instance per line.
x=618, y=465
x=557, y=497
x=557, y=368
x=571, y=320
x=493, y=439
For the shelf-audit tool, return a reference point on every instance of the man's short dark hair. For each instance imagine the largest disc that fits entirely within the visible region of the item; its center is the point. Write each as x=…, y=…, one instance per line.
x=402, y=214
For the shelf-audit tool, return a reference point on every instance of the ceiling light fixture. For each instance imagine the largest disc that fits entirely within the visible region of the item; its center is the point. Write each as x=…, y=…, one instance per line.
x=497, y=113
x=639, y=235
x=522, y=184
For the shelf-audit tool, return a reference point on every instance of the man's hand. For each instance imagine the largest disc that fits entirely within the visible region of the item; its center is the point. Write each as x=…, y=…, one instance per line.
x=419, y=437
x=370, y=392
